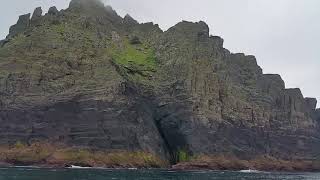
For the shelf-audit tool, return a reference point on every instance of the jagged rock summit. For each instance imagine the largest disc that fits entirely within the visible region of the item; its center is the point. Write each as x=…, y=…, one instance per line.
x=87, y=77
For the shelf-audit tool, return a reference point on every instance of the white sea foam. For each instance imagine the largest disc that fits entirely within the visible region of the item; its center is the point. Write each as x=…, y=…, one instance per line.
x=249, y=171
x=79, y=167
x=132, y=168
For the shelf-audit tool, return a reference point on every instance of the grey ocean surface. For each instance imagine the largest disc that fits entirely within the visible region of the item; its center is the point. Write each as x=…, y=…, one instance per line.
x=25, y=173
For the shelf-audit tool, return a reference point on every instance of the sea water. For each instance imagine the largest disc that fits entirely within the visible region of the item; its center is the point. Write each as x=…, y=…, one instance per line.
x=26, y=173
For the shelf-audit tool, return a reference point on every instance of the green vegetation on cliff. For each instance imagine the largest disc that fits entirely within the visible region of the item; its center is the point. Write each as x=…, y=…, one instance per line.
x=135, y=61
x=43, y=153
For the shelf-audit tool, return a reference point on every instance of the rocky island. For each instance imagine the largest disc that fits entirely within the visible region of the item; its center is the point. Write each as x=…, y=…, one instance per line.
x=84, y=86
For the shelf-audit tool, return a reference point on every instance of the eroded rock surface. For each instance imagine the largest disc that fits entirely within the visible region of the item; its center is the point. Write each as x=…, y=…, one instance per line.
x=21, y=26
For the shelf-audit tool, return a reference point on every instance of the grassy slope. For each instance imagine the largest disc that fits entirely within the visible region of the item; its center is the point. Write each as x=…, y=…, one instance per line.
x=47, y=154
x=135, y=62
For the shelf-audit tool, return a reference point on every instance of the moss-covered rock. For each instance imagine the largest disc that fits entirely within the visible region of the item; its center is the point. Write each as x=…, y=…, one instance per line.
x=47, y=154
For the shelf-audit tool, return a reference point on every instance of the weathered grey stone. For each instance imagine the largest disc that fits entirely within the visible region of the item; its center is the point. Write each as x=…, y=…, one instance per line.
x=317, y=115
x=37, y=13
x=21, y=26
x=311, y=103
x=36, y=17
x=128, y=20
x=53, y=11
x=193, y=31
x=218, y=41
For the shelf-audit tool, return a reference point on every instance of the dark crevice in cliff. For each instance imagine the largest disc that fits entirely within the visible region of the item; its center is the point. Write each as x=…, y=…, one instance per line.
x=165, y=140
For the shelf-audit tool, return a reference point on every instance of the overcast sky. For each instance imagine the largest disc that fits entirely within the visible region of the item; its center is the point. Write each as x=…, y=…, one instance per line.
x=284, y=35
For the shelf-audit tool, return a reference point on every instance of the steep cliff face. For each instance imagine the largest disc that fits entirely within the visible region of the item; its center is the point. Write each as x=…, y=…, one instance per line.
x=58, y=82
x=216, y=101
x=85, y=76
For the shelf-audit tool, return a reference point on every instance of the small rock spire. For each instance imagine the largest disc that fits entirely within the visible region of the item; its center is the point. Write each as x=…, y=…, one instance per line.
x=53, y=10
x=22, y=24
x=37, y=13
x=129, y=20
